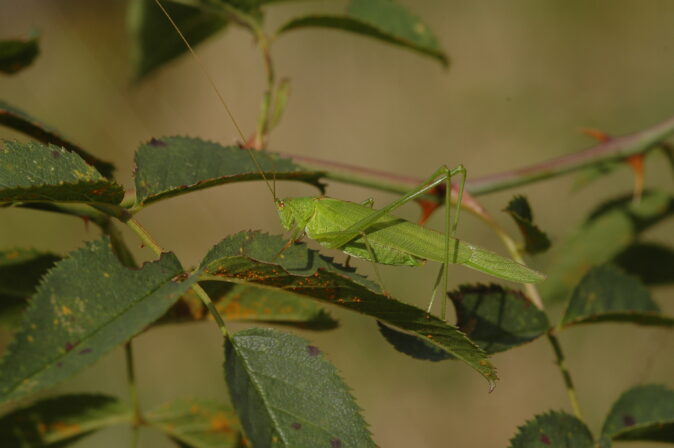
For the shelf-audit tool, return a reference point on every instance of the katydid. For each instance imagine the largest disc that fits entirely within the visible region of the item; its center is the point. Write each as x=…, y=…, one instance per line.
x=363, y=232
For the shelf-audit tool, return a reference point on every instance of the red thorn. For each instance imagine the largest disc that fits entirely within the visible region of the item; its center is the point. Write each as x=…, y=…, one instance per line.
x=86, y=220
x=636, y=162
x=428, y=207
x=598, y=135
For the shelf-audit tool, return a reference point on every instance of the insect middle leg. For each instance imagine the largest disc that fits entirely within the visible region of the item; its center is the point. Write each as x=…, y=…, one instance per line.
x=441, y=176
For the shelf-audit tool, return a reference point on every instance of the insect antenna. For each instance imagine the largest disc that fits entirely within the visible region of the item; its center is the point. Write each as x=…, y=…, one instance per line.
x=221, y=98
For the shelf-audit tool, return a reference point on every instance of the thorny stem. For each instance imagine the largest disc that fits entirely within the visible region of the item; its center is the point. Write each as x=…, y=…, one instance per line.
x=616, y=148
x=156, y=248
x=570, y=389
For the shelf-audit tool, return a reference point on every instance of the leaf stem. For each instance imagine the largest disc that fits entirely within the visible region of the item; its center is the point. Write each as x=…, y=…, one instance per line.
x=568, y=382
x=137, y=419
x=156, y=248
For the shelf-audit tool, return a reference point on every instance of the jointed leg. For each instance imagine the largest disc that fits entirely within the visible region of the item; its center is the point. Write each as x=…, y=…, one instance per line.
x=373, y=256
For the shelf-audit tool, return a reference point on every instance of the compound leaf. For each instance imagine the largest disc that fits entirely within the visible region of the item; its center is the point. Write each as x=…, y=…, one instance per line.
x=85, y=306
x=20, y=273
x=606, y=294
x=497, y=318
x=553, y=430
x=252, y=258
x=171, y=166
x=288, y=395
x=197, y=423
x=380, y=19
x=653, y=263
x=610, y=229
x=33, y=172
x=17, y=54
x=14, y=118
x=61, y=421
x=642, y=413
x=239, y=302
x=535, y=240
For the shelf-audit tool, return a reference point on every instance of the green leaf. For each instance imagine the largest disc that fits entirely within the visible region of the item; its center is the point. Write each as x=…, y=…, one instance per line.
x=608, y=231
x=553, y=430
x=20, y=272
x=197, y=423
x=85, y=306
x=237, y=302
x=288, y=395
x=379, y=19
x=171, y=166
x=14, y=118
x=535, y=241
x=651, y=262
x=252, y=258
x=497, y=318
x=17, y=54
x=155, y=42
x=61, y=421
x=642, y=413
x=34, y=172
x=606, y=294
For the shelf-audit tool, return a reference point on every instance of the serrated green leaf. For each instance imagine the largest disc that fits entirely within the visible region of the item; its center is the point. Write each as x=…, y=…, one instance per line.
x=653, y=263
x=606, y=294
x=535, y=240
x=553, y=430
x=17, y=54
x=85, y=306
x=252, y=258
x=34, y=172
x=493, y=317
x=20, y=272
x=197, y=423
x=497, y=318
x=642, y=413
x=155, y=42
x=171, y=166
x=380, y=19
x=288, y=395
x=609, y=230
x=14, y=118
x=61, y=421
x=251, y=304
x=412, y=346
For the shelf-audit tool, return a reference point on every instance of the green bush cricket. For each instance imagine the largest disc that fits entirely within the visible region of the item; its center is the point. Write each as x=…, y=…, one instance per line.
x=374, y=235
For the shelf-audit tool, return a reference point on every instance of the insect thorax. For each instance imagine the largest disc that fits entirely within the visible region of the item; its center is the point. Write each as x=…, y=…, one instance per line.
x=295, y=211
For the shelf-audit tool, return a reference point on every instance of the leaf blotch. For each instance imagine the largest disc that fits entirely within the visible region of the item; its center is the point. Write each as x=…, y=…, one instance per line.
x=335, y=443
x=629, y=420
x=85, y=351
x=545, y=439
x=313, y=350
x=296, y=426
x=156, y=142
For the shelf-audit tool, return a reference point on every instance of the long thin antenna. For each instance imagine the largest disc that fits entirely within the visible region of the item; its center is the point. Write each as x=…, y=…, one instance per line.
x=217, y=91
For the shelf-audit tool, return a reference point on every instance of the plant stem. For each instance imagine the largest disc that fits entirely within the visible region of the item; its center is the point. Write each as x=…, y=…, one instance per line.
x=211, y=307
x=156, y=248
x=570, y=389
x=127, y=259
x=137, y=419
x=613, y=149
x=263, y=123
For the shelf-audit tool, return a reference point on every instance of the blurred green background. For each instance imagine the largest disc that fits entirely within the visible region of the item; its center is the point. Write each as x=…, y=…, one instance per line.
x=526, y=75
